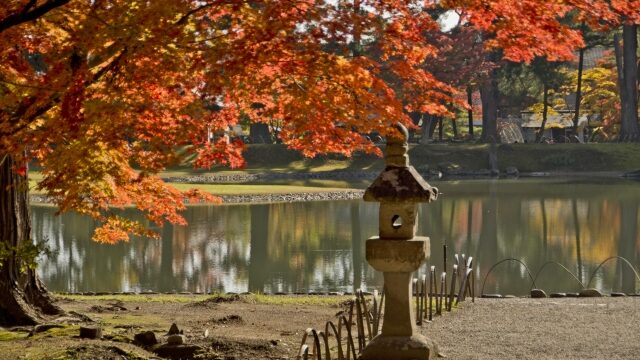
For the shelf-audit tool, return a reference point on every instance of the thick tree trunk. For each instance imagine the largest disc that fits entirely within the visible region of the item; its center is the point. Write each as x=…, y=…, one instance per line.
x=440, y=129
x=627, y=64
x=576, y=115
x=259, y=133
x=489, y=97
x=545, y=110
x=23, y=298
x=470, y=110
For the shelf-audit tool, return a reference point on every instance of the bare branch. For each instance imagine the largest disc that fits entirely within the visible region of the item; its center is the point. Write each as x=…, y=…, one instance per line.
x=29, y=13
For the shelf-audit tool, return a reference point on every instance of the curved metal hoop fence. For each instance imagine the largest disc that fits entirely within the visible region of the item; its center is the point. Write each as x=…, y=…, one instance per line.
x=574, y=276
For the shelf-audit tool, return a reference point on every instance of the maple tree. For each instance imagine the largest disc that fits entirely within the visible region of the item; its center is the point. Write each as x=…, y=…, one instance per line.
x=101, y=93
x=607, y=15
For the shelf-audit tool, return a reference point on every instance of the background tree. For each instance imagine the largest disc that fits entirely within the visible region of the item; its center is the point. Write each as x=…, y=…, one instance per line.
x=608, y=15
x=102, y=93
x=551, y=77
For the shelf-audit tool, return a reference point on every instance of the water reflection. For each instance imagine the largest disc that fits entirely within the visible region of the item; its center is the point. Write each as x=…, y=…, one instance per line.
x=320, y=245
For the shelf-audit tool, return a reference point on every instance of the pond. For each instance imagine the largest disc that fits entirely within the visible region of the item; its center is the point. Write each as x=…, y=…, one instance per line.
x=319, y=246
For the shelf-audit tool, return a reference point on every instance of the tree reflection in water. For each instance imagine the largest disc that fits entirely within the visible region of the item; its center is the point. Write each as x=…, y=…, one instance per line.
x=319, y=246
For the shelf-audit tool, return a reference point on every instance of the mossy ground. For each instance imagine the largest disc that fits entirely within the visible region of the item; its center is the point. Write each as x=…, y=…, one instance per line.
x=261, y=326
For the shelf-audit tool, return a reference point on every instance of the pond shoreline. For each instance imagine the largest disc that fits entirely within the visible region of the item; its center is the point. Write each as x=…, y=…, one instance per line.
x=347, y=193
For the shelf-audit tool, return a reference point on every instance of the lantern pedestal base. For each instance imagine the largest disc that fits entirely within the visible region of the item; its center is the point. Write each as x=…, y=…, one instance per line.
x=415, y=347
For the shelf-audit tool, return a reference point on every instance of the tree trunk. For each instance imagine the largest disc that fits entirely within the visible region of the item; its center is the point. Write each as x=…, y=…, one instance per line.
x=259, y=133
x=440, y=129
x=626, y=62
x=545, y=110
x=470, y=110
x=429, y=123
x=576, y=116
x=23, y=298
x=489, y=97
x=454, y=127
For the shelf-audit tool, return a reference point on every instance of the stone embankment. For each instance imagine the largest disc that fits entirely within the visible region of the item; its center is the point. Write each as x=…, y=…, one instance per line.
x=266, y=177
x=346, y=194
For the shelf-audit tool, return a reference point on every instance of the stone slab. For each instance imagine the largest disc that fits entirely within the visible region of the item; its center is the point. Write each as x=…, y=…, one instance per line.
x=397, y=255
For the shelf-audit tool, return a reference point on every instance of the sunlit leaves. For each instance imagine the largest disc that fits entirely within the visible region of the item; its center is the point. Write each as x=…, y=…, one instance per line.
x=96, y=89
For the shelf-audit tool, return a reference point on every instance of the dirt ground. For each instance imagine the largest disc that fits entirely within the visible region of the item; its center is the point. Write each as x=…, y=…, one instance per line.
x=271, y=327
x=565, y=328
x=230, y=327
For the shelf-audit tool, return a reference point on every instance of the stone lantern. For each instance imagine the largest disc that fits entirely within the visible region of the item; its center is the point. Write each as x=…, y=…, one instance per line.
x=397, y=252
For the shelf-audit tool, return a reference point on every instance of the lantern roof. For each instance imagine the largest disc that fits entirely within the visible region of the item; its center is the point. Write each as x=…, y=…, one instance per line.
x=399, y=181
x=400, y=184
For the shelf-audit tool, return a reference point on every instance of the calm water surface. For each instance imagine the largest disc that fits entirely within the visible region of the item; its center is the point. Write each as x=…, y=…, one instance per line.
x=319, y=246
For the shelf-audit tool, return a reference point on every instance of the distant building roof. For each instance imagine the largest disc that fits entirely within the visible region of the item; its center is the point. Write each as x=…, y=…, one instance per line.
x=593, y=56
x=560, y=119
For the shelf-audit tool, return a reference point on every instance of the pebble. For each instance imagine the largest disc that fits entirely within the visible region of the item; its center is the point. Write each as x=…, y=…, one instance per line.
x=173, y=330
x=538, y=293
x=492, y=296
x=175, y=339
x=146, y=338
x=590, y=293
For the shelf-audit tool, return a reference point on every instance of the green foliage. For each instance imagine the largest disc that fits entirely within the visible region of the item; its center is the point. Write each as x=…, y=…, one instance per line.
x=27, y=253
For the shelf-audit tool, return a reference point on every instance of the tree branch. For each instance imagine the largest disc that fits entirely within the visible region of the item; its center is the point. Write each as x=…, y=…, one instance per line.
x=29, y=14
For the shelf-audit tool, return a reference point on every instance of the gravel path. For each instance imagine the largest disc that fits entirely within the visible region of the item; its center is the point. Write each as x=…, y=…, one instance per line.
x=572, y=328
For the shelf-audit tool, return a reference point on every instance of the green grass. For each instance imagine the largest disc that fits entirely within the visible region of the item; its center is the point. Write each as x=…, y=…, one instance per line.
x=616, y=157
x=11, y=335
x=300, y=299
x=253, y=298
x=279, y=187
x=168, y=298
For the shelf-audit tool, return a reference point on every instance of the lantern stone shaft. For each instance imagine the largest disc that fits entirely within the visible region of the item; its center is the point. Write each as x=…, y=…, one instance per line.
x=397, y=252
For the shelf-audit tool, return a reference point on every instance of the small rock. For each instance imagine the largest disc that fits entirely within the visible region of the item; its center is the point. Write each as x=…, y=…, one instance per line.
x=538, y=293
x=45, y=327
x=175, y=339
x=482, y=172
x=173, y=330
x=90, y=332
x=42, y=328
x=512, y=171
x=618, y=294
x=206, y=333
x=590, y=293
x=274, y=342
x=492, y=296
x=146, y=338
x=177, y=351
x=558, y=295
